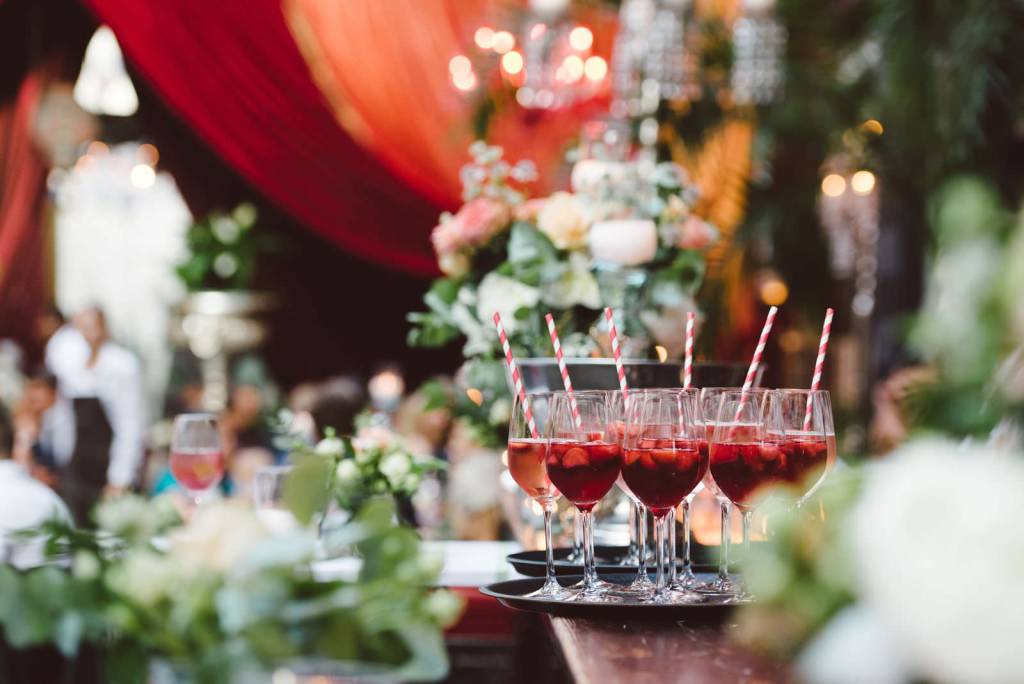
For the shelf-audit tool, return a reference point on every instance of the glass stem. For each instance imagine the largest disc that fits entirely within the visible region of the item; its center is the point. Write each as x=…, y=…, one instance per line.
x=577, y=539
x=671, y=553
x=723, y=551
x=589, y=572
x=687, y=567
x=634, y=531
x=549, y=551
x=747, y=515
x=661, y=578
x=640, y=513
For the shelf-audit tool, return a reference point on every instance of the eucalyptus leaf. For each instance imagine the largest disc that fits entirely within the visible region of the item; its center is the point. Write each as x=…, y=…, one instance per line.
x=306, y=489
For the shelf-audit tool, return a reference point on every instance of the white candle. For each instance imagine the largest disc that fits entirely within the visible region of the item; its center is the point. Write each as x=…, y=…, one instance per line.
x=629, y=242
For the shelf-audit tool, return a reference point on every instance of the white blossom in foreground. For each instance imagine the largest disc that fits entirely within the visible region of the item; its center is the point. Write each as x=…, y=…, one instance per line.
x=939, y=548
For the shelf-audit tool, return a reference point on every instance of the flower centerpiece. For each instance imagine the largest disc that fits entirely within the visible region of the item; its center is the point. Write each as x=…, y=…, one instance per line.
x=224, y=596
x=625, y=238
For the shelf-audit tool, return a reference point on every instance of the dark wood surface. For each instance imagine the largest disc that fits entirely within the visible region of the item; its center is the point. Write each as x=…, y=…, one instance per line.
x=599, y=652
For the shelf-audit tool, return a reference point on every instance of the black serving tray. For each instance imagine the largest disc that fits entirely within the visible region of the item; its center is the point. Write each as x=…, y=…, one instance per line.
x=512, y=593
x=533, y=563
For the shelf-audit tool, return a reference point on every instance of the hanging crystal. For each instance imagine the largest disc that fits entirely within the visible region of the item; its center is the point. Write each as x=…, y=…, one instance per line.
x=759, y=43
x=648, y=62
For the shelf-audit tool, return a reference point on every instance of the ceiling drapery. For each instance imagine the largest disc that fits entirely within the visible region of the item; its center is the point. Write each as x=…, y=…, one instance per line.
x=233, y=72
x=383, y=66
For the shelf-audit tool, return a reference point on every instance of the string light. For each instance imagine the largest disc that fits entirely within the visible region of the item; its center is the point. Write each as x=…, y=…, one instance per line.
x=512, y=62
x=595, y=68
x=503, y=42
x=142, y=176
x=459, y=65
x=580, y=38
x=464, y=82
x=863, y=182
x=873, y=126
x=572, y=68
x=833, y=185
x=484, y=37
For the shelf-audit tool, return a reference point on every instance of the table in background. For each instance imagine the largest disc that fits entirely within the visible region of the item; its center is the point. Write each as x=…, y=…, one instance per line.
x=646, y=652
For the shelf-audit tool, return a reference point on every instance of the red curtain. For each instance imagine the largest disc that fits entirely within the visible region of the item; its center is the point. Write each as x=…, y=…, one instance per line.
x=233, y=72
x=22, y=192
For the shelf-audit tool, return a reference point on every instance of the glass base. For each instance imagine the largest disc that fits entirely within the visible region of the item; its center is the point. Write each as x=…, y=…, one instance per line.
x=640, y=588
x=552, y=590
x=598, y=591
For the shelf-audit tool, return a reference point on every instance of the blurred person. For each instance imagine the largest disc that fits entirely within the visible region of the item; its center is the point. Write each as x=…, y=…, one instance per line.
x=341, y=400
x=63, y=344
x=44, y=428
x=244, y=421
x=105, y=390
x=427, y=430
x=24, y=503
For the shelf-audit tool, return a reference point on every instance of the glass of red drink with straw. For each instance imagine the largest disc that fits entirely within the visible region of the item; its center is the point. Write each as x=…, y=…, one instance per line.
x=685, y=579
x=583, y=462
x=662, y=464
x=197, y=459
x=527, y=463
x=743, y=459
x=801, y=423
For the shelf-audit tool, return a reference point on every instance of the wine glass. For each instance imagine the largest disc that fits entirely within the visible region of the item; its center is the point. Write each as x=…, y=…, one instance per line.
x=618, y=401
x=662, y=464
x=685, y=580
x=197, y=459
x=808, y=445
x=709, y=400
x=742, y=461
x=527, y=457
x=583, y=462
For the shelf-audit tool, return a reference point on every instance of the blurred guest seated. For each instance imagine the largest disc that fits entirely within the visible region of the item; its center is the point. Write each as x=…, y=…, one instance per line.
x=892, y=398
x=44, y=429
x=24, y=503
x=104, y=386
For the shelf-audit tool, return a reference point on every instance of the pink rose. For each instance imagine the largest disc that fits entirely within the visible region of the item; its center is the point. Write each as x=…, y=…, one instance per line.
x=528, y=210
x=696, y=234
x=475, y=223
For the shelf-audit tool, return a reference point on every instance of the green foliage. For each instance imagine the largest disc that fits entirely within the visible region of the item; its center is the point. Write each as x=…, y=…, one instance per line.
x=209, y=615
x=224, y=250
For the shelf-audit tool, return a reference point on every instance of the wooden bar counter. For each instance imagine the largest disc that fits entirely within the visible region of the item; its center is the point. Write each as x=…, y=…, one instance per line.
x=609, y=652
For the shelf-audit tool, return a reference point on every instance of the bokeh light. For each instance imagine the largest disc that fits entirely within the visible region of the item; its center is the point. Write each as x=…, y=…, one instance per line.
x=503, y=42
x=459, y=65
x=512, y=62
x=142, y=176
x=484, y=37
x=595, y=68
x=833, y=185
x=863, y=182
x=580, y=38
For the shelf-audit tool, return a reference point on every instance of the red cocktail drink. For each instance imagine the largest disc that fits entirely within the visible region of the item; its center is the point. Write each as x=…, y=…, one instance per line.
x=526, y=464
x=661, y=472
x=802, y=457
x=584, y=471
x=741, y=468
x=197, y=470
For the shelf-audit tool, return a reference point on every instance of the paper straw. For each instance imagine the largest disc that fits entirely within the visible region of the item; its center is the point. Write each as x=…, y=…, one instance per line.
x=688, y=358
x=819, y=365
x=755, y=362
x=517, y=380
x=620, y=370
x=563, y=369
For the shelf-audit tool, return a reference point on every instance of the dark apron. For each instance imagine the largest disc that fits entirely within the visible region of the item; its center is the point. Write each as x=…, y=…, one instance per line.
x=85, y=475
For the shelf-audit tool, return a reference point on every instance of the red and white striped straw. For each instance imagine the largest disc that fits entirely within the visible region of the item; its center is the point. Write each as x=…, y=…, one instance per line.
x=563, y=369
x=517, y=380
x=688, y=358
x=819, y=365
x=755, y=362
x=620, y=370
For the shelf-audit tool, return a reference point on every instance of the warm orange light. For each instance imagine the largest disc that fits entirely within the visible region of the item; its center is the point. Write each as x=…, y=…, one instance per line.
x=833, y=185
x=484, y=37
x=873, y=126
x=503, y=42
x=580, y=38
x=459, y=65
x=774, y=292
x=512, y=62
x=475, y=395
x=465, y=81
x=595, y=68
x=662, y=352
x=148, y=154
x=572, y=67
x=863, y=182
x=97, y=147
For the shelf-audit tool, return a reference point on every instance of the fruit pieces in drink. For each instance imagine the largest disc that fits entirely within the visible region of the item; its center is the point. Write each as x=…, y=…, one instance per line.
x=661, y=473
x=197, y=470
x=583, y=471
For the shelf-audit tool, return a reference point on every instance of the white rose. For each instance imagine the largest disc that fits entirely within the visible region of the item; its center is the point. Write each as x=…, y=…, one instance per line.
x=145, y=577
x=218, y=536
x=330, y=446
x=953, y=618
x=395, y=467
x=563, y=218
x=506, y=296
x=347, y=471
x=577, y=285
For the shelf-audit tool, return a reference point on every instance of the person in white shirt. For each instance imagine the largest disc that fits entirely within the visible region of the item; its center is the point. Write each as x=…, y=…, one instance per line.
x=24, y=503
x=104, y=387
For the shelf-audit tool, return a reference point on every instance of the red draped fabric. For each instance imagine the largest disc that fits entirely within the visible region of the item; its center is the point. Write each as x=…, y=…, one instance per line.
x=231, y=69
x=22, y=192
